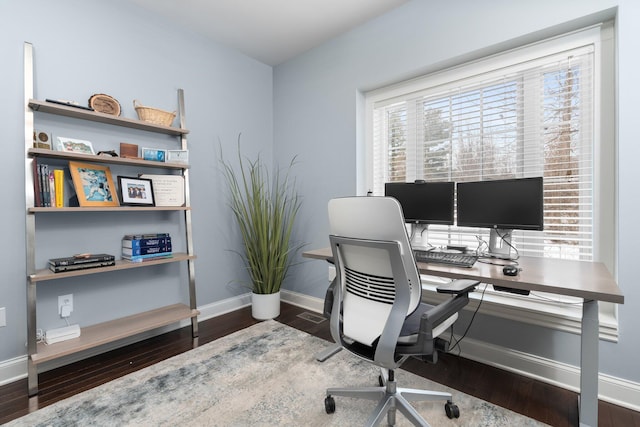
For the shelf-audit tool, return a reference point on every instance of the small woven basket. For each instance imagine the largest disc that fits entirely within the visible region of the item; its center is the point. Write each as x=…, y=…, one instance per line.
x=153, y=115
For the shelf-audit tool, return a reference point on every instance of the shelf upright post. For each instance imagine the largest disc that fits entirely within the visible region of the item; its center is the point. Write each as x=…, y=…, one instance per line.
x=32, y=370
x=187, y=220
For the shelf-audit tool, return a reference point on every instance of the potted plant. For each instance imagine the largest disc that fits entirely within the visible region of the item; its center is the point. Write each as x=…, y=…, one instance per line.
x=265, y=206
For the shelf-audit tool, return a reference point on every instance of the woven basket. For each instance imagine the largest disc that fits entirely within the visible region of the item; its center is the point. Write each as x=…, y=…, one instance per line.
x=153, y=115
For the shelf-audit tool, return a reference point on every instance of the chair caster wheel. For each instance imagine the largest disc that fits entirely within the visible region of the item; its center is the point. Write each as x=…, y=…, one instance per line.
x=329, y=404
x=452, y=410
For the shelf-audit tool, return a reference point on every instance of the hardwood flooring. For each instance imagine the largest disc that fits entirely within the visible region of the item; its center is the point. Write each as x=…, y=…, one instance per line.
x=535, y=399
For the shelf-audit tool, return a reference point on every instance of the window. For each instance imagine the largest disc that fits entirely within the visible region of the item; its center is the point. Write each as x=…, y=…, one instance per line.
x=533, y=111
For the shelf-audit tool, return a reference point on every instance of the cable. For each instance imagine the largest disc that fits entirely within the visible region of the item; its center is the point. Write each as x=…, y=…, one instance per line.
x=508, y=244
x=458, y=341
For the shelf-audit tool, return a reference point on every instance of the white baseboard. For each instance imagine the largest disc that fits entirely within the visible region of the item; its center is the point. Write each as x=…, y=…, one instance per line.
x=611, y=389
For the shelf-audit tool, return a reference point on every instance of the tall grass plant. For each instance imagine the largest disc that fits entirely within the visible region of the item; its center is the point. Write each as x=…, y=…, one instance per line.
x=265, y=206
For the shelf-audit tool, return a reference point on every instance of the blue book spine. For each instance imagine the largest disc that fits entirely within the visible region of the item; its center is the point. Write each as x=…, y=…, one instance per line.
x=140, y=258
x=147, y=250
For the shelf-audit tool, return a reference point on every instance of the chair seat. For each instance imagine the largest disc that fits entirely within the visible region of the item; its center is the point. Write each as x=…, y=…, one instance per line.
x=411, y=326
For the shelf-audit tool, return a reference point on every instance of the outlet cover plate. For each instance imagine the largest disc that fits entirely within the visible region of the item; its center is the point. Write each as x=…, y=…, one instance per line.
x=3, y=317
x=65, y=300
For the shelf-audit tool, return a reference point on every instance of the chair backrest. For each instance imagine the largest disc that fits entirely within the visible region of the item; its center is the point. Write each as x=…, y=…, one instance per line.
x=375, y=266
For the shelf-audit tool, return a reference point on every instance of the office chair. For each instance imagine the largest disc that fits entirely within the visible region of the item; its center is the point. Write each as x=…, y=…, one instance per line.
x=377, y=313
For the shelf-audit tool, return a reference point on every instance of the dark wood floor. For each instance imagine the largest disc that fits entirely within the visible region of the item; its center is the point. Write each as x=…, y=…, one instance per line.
x=546, y=403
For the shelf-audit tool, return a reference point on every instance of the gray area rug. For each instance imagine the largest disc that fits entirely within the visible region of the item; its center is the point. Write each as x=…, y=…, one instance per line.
x=265, y=375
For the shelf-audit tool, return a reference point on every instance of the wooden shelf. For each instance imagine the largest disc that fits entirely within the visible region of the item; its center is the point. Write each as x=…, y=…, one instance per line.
x=103, y=333
x=94, y=116
x=94, y=158
x=109, y=209
x=46, y=274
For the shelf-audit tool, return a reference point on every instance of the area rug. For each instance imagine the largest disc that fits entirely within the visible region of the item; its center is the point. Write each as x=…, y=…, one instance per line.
x=265, y=375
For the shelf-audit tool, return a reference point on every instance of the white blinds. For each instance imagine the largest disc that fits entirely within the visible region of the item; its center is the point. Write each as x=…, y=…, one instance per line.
x=530, y=118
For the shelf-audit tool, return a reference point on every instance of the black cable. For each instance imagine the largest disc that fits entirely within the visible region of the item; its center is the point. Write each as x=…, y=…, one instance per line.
x=457, y=343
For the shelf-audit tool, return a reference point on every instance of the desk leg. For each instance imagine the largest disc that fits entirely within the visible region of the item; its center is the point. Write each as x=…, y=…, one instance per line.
x=589, y=364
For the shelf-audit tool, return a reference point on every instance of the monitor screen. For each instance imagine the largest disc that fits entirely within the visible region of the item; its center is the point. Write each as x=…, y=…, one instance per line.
x=502, y=204
x=424, y=202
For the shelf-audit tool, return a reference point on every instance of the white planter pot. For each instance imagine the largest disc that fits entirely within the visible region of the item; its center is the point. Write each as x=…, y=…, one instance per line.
x=265, y=306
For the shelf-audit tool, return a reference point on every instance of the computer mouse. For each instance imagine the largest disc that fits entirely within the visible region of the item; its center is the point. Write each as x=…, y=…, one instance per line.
x=510, y=270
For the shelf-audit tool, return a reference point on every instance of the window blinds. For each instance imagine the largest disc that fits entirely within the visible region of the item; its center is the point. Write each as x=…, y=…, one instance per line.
x=530, y=118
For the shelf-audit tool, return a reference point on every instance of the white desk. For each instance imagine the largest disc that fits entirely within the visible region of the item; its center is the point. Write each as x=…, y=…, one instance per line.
x=590, y=281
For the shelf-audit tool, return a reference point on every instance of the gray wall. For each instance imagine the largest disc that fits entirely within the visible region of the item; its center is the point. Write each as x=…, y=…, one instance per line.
x=310, y=106
x=318, y=113
x=84, y=47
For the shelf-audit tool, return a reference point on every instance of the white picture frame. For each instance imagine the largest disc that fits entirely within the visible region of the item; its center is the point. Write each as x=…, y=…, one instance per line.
x=72, y=145
x=178, y=156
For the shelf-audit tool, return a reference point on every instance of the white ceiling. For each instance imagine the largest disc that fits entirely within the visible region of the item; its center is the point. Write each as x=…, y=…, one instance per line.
x=271, y=31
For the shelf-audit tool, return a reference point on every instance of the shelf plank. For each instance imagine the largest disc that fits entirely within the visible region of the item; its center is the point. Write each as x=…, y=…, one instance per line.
x=46, y=274
x=62, y=155
x=104, y=333
x=109, y=209
x=94, y=116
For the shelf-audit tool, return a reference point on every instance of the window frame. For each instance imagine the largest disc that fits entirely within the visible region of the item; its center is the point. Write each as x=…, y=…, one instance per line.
x=555, y=313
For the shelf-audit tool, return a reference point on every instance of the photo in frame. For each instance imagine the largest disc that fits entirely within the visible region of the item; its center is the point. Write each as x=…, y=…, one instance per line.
x=70, y=145
x=93, y=184
x=154, y=154
x=135, y=191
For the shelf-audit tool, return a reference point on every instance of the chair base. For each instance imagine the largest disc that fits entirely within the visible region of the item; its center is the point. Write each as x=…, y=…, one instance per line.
x=392, y=398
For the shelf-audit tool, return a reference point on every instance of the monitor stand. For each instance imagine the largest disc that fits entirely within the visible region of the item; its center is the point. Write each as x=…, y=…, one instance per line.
x=419, y=242
x=500, y=243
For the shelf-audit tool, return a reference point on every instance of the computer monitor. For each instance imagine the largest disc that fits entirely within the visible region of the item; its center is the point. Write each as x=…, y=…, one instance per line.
x=501, y=205
x=424, y=202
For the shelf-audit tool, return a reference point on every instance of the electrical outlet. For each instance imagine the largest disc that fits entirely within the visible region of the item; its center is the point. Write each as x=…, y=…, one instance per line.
x=65, y=305
x=3, y=317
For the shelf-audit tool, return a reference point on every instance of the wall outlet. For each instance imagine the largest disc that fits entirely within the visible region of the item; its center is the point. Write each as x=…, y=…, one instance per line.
x=3, y=317
x=65, y=305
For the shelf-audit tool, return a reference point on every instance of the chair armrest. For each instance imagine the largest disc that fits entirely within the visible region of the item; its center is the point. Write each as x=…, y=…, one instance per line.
x=458, y=287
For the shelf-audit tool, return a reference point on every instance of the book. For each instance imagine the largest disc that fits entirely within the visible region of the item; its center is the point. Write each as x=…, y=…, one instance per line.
x=37, y=192
x=144, y=236
x=61, y=268
x=147, y=250
x=78, y=260
x=42, y=171
x=58, y=178
x=142, y=243
x=149, y=257
x=52, y=189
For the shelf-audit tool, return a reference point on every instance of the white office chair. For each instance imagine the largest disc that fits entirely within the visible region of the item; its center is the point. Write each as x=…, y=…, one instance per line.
x=377, y=313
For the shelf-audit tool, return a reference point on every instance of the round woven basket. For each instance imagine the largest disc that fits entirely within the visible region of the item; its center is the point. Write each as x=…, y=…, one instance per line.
x=153, y=115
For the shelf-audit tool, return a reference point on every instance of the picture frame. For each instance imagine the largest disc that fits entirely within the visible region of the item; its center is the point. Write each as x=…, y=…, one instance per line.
x=72, y=145
x=154, y=154
x=178, y=156
x=136, y=191
x=93, y=184
x=168, y=190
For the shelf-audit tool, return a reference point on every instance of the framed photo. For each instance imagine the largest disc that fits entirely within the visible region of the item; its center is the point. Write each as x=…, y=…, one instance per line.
x=70, y=145
x=135, y=191
x=178, y=156
x=93, y=184
x=154, y=154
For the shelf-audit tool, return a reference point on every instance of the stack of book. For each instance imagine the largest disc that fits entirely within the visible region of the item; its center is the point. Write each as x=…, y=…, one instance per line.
x=81, y=262
x=48, y=186
x=141, y=247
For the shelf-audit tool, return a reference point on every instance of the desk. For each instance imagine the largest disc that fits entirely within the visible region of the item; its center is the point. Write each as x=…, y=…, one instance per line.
x=590, y=281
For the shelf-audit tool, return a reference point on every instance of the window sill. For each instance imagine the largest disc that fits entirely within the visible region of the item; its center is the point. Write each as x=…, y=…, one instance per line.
x=540, y=309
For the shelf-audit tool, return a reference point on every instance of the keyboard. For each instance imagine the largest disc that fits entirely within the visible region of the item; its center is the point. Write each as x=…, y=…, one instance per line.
x=450, y=258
